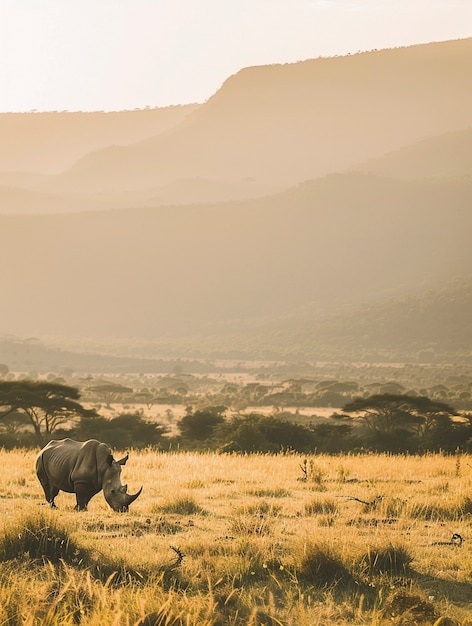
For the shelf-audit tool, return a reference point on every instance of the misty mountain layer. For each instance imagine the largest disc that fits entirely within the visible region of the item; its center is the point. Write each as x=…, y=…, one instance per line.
x=295, y=193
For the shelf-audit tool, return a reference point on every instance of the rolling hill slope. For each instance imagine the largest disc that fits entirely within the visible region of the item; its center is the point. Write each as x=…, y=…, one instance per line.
x=339, y=240
x=430, y=326
x=426, y=326
x=445, y=156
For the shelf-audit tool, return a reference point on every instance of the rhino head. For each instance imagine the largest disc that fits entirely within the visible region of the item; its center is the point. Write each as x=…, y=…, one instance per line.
x=115, y=493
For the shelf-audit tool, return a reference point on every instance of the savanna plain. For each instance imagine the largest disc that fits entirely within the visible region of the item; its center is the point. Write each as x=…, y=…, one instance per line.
x=294, y=243
x=226, y=539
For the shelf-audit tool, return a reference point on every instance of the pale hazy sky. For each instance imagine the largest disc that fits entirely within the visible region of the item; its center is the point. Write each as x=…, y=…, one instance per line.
x=126, y=54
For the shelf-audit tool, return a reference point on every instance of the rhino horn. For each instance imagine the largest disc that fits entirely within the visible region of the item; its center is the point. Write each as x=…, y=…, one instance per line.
x=131, y=498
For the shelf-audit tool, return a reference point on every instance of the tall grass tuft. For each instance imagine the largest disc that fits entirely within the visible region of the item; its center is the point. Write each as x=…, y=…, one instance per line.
x=465, y=506
x=183, y=505
x=255, y=519
x=321, y=567
x=452, y=511
x=277, y=492
x=163, y=617
x=321, y=507
x=40, y=536
x=390, y=559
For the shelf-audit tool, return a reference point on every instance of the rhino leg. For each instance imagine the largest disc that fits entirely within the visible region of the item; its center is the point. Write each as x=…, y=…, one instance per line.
x=53, y=494
x=83, y=495
x=50, y=492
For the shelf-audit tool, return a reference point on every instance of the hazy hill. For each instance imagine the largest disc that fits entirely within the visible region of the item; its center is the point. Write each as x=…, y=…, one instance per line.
x=282, y=124
x=446, y=156
x=23, y=199
x=426, y=326
x=430, y=326
x=50, y=142
x=27, y=198
x=339, y=240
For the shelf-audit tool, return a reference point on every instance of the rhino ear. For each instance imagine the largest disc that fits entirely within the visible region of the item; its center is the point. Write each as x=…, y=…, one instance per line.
x=123, y=460
x=109, y=460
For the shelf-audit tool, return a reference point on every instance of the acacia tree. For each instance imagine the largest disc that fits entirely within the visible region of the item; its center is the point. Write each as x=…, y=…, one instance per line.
x=110, y=392
x=47, y=405
x=390, y=413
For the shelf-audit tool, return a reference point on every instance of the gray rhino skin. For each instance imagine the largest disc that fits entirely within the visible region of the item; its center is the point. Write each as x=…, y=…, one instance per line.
x=83, y=468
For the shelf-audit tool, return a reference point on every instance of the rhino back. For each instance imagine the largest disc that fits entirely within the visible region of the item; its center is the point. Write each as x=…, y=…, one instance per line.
x=66, y=462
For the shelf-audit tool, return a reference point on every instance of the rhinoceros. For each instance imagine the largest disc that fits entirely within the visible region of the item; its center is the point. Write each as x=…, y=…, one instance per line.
x=83, y=468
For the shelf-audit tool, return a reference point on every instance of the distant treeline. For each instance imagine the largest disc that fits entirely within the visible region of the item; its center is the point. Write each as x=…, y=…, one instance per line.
x=207, y=429
x=32, y=413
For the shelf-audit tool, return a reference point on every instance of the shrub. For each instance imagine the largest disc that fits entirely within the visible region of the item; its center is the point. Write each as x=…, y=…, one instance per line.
x=125, y=430
x=260, y=433
x=201, y=425
x=334, y=438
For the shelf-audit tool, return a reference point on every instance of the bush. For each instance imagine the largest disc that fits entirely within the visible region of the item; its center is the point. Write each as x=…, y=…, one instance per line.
x=334, y=438
x=258, y=433
x=201, y=424
x=9, y=441
x=125, y=430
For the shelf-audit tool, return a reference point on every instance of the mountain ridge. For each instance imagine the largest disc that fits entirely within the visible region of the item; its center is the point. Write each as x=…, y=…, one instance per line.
x=360, y=113
x=282, y=124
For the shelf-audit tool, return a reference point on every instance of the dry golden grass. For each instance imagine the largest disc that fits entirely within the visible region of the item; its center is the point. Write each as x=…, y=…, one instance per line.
x=364, y=540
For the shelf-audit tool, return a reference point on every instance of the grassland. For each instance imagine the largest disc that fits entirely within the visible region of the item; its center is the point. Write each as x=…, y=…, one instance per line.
x=233, y=540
